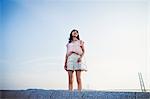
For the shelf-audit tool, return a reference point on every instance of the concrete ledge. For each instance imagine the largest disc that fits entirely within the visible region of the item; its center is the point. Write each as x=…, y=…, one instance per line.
x=64, y=94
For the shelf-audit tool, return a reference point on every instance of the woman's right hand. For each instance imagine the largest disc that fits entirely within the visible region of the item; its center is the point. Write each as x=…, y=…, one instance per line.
x=65, y=66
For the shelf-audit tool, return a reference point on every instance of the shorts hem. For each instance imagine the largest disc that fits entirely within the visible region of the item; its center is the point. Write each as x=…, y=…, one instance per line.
x=76, y=70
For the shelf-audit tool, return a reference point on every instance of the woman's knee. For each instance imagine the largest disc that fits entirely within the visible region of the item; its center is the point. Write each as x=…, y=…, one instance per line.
x=78, y=76
x=78, y=80
x=70, y=80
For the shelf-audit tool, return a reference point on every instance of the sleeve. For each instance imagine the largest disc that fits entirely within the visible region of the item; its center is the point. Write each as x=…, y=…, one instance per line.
x=67, y=45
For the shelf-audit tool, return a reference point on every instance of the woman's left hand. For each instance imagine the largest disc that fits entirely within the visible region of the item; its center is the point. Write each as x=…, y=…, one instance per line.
x=79, y=59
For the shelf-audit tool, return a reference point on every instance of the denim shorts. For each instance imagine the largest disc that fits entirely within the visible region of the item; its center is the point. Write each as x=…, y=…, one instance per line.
x=73, y=64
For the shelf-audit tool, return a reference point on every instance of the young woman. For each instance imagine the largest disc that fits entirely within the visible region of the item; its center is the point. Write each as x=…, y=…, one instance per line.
x=73, y=59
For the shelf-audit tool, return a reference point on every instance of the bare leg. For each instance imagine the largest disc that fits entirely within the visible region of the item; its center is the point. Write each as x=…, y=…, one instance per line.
x=78, y=77
x=70, y=82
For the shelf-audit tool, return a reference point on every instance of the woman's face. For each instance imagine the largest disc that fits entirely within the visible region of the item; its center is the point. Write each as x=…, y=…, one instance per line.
x=75, y=34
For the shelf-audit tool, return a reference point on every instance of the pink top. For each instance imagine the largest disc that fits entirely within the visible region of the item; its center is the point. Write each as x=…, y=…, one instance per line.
x=75, y=47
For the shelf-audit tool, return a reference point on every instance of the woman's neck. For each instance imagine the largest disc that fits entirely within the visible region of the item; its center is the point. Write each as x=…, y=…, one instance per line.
x=74, y=39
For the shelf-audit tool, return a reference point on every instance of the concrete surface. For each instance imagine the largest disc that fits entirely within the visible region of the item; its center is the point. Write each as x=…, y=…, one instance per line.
x=64, y=94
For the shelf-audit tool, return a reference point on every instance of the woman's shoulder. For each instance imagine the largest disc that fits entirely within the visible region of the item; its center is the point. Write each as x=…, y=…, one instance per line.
x=68, y=44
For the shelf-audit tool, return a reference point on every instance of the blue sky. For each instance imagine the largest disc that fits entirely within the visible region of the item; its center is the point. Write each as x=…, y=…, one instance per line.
x=34, y=34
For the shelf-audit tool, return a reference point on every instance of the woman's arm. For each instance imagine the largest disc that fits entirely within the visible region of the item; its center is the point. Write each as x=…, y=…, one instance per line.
x=65, y=66
x=66, y=57
x=82, y=47
x=83, y=51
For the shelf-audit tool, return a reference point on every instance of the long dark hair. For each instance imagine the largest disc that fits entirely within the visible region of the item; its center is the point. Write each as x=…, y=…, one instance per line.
x=71, y=38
